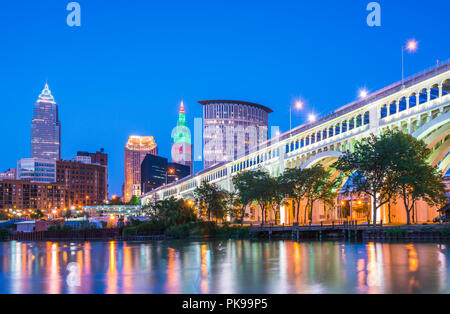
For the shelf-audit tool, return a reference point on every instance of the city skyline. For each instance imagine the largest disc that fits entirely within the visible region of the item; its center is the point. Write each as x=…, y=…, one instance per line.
x=107, y=93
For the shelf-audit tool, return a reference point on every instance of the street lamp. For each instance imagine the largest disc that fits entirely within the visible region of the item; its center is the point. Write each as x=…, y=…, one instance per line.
x=411, y=46
x=298, y=105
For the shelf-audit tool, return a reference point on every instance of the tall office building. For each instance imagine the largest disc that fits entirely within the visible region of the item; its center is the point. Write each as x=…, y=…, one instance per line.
x=182, y=147
x=157, y=171
x=232, y=128
x=136, y=148
x=46, y=128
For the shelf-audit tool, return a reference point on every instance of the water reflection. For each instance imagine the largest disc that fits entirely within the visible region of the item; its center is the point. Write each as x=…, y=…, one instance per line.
x=228, y=266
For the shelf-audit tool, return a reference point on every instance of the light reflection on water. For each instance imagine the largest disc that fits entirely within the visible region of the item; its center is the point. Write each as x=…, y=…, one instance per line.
x=225, y=266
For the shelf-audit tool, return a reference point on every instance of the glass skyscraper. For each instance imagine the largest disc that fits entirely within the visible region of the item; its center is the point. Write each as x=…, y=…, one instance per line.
x=46, y=128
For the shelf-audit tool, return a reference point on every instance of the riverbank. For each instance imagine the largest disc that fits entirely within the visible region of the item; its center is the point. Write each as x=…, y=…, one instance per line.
x=209, y=230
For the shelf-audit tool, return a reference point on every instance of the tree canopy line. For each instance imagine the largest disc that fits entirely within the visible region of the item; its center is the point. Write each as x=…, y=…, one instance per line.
x=388, y=167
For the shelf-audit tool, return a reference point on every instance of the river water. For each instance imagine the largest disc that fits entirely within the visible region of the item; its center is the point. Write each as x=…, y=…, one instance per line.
x=224, y=266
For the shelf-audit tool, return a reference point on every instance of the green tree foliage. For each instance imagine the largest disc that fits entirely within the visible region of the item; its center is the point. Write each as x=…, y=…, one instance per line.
x=411, y=174
x=211, y=201
x=393, y=164
x=38, y=214
x=293, y=184
x=171, y=212
x=369, y=165
x=319, y=186
x=134, y=200
x=265, y=191
x=243, y=183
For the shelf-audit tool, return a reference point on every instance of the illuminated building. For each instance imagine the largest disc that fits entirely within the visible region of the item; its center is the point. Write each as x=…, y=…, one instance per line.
x=136, y=148
x=232, y=128
x=157, y=171
x=36, y=170
x=100, y=158
x=46, y=128
x=24, y=195
x=182, y=146
x=87, y=181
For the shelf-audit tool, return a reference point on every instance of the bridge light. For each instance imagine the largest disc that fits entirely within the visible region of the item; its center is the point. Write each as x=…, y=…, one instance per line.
x=299, y=104
x=363, y=92
x=312, y=117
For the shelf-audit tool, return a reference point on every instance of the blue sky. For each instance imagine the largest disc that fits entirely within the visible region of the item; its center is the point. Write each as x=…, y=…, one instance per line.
x=125, y=70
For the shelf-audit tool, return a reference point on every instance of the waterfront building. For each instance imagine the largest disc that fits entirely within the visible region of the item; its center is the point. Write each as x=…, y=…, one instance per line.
x=156, y=171
x=87, y=181
x=20, y=195
x=182, y=147
x=99, y=157
x=232, y=128
x=116, y=210
x=136, y=148
x=46, y=128
x=36, y=170
x=10, y=174
x=420, y=106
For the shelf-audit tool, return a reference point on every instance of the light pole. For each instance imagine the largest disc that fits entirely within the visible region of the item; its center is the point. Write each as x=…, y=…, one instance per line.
x=411, y=46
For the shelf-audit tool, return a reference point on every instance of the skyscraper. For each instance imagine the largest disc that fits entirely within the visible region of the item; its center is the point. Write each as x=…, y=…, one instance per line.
x=232, y=128
x=136, y=148
x=46, y=128
x=182, y=147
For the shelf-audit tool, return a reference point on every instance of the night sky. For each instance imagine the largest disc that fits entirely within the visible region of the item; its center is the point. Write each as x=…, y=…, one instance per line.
x=126, y=69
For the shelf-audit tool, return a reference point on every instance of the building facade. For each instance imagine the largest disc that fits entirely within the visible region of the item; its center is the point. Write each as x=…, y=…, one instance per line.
x=232, y=128
x=86, y=181
x=136, y=148
x=156, y=171
x=18, y=195
x=153, y=172
x=36, y=170
x=100, y=158
x=182, y=146
x=46, y=128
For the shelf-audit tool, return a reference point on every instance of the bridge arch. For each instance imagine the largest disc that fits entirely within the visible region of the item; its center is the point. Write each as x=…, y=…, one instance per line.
x=326, y=158
x=423, y=132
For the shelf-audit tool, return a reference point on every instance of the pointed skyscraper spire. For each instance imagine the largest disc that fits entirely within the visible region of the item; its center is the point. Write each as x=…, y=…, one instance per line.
x=182, y=108
x=46, y=95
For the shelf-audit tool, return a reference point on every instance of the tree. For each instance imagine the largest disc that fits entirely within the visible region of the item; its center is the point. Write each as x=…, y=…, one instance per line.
x=414, y=178
x=171, y=212
x=319, y=186
x=293, y=184
x=369, y=165
x=265, y=191
x=243, y=183
x=38, y=214
x=210, y=200
x=134, y=200
x=233, y=207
